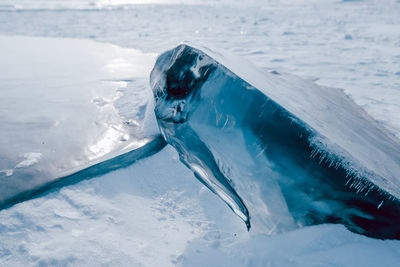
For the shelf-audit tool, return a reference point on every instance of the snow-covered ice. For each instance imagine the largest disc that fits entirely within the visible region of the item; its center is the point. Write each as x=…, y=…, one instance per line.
x=155, y=213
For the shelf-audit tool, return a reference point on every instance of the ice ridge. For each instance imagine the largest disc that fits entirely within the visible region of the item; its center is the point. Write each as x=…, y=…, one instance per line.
x=283, y=149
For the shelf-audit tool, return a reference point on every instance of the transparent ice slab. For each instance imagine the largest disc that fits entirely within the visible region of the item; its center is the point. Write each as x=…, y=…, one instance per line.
x=278, y=149
x=67, y=105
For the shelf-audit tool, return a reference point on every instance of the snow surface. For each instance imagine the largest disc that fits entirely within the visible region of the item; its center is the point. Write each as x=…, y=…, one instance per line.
x=155, y=213
x=85, y=4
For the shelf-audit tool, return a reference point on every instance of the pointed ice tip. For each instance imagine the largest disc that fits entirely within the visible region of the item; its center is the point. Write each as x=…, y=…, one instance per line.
x=247, y=222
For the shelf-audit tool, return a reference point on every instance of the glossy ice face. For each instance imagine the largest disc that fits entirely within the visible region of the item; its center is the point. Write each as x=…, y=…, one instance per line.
x=176, y=80
x=287, y=152
x=67, y=105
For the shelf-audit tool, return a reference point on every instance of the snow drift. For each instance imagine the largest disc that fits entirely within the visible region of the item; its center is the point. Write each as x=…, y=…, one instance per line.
x=281, y=150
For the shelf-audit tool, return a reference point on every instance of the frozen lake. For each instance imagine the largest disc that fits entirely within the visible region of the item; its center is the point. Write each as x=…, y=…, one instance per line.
x=155, y=213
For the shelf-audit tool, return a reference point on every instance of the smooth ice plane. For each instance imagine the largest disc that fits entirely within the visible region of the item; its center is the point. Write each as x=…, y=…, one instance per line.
x=69, y=116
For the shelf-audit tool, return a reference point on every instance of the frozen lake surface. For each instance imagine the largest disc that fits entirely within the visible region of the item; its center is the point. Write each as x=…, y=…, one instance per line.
x=155, y=213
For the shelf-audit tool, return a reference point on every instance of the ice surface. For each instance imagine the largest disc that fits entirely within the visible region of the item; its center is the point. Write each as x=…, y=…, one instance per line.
x=154, y=213
x=278, y=140
x=67, y=105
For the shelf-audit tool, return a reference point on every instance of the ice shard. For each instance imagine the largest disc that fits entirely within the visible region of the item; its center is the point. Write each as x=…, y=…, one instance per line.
x=70, y=110
x=278, y=149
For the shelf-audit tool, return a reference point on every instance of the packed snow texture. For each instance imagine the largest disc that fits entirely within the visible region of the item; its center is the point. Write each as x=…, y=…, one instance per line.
x=155, y=213
x=84, y=4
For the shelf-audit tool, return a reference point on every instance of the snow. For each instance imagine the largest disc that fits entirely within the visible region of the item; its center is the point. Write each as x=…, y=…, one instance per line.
x=323, y=245
x=88, y=224
x=29, y=160
x=84, y=4
x=155, y=213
